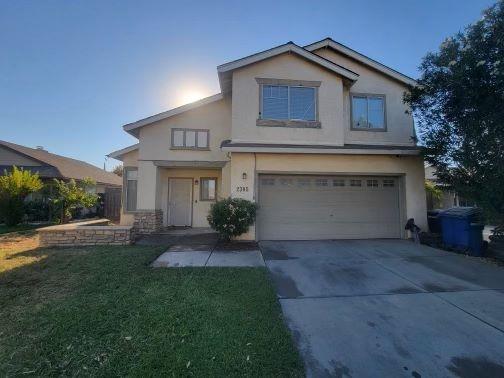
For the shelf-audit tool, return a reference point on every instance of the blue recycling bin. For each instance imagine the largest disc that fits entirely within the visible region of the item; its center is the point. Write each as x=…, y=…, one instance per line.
x=460, y=229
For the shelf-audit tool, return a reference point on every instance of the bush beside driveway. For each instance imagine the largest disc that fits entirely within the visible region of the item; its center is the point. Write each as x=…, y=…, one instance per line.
x=103, y=311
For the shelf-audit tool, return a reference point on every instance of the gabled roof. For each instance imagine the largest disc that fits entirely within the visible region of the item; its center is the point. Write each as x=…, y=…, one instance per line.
x=345, y=50
x=133, y=127
x=225, y=70
x=119, y=153
x=56, y=166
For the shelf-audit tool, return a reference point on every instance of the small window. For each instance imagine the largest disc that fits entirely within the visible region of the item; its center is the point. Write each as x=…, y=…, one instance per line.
x=208, y=189
x=130, y=190
x=388, y=183
x=368, y=112
x=304, y=182
x=321, y=182
x=355, y=183
x=338, y=182
x=190, y=139
x=282, y=102
x=372, y=183
x=286, y=182
x=268, y=181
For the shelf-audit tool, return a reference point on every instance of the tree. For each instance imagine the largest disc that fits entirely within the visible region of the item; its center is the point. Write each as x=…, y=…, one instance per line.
x=459, y=107
x=71, y=195
x=118, y=170
x=14, y=188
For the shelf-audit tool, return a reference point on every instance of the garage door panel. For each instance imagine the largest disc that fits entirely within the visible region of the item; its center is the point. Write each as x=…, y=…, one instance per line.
x=328, y=207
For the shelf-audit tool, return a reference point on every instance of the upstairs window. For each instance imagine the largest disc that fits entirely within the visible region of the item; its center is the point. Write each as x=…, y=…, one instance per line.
x=283, y=102
x=191, y=139
x=368, y=112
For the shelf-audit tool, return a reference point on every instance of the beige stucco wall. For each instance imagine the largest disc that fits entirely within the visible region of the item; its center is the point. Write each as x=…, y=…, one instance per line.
x=199, y=208
x=9, y=157
x=399, y=124
x=410, y=168
x=155, y=139
x=245, y=107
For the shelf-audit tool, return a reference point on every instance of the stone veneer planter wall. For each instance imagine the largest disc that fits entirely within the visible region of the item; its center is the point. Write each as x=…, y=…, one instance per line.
x=95, y=232
x=148, y=221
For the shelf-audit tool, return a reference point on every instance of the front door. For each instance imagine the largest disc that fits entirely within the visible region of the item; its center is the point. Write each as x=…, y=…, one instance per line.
x=179, y=202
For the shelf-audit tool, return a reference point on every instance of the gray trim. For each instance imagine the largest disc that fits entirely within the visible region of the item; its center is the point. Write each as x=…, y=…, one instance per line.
x=201, y=188
x=289, y=82
x=228, y=143
x=124, y=190
x=288, y=123
x=368, y=95
x=172, y=147
x=188, y=164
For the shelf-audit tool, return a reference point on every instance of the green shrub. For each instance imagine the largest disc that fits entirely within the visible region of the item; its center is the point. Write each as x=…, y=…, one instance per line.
x=37, y=211
x=15, y=186
x=232, y=217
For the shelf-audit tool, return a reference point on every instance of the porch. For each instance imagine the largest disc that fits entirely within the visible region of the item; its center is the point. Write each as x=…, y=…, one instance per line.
x=183, y=192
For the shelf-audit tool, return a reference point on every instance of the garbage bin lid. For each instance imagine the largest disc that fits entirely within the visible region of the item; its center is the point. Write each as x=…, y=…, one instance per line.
x=461, y=212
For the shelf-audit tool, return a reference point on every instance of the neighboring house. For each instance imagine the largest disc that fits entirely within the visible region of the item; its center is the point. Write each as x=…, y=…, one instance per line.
x=50, y=166
x=448, y=199
x=318, y=136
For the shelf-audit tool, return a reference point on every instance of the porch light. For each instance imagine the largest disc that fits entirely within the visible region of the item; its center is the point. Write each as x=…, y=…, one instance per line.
x=244, y=175
x=196, y=182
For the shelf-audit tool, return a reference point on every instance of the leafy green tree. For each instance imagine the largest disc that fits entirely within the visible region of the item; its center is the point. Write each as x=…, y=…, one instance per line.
x=71, y=195
x=459, y=107
x=15, y=186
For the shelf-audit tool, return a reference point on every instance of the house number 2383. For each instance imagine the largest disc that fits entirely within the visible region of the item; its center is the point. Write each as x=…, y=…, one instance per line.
x=242, y=189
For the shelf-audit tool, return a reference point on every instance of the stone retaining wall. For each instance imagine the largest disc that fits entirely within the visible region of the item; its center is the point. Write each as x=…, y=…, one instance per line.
x=148, y=221
x=96, y=232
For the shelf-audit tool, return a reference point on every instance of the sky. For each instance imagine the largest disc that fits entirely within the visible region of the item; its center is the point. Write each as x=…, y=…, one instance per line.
x=73, y=72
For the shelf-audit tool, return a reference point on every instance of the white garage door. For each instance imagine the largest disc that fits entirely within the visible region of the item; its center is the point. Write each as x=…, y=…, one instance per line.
x=328, y=207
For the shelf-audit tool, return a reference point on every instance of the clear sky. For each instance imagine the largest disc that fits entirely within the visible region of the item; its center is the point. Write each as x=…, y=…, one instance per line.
x=73, y=72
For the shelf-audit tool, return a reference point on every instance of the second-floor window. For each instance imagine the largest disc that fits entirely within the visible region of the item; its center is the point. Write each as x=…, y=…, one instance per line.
x=283, y=102
x=191, y=139
x=368, y=112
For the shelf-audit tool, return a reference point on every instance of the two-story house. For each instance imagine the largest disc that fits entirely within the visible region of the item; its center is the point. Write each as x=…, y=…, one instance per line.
x=318, y=136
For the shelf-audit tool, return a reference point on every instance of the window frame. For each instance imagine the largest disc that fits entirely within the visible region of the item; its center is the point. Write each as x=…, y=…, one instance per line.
x=367, y=96
x=125, y=190
x=295, y=123
x=201, y=188
x=184, y=147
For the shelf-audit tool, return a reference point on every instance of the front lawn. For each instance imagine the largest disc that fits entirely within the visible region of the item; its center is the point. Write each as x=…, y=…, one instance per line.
x=102, y=311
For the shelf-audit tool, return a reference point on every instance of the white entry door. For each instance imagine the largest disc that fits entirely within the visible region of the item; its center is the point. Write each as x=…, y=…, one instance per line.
x=179, y=202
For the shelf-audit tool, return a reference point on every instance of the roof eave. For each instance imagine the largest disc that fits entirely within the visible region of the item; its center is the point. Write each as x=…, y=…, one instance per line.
x=123, y=151
x=132, y=128
x=224, y=70
x=330, y=43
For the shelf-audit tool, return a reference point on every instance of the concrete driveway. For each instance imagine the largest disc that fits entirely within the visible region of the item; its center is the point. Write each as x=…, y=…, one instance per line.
x=389, y=308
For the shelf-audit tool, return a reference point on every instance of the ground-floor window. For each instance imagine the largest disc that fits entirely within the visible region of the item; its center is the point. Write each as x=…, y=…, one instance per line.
x=208, y=189
x=130, y=193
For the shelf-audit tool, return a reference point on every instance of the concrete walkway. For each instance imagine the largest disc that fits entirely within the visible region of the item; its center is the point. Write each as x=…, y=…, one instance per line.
x=389, y=308
x=207, y=258
x=201, y=248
